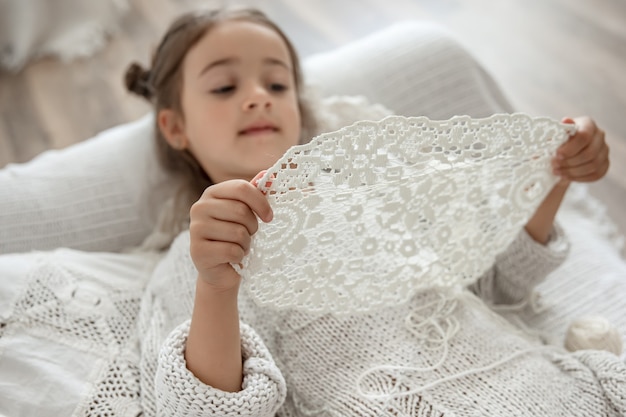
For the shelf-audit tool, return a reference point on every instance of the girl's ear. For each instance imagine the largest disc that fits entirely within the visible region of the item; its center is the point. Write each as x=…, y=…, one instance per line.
x=172, y=127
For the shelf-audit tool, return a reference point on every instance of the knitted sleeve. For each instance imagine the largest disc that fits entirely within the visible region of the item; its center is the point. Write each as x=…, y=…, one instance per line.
x=521, y=267
x=180, y=393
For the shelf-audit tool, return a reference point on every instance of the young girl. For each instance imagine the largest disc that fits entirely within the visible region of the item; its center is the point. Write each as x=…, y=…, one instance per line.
x=228, y=96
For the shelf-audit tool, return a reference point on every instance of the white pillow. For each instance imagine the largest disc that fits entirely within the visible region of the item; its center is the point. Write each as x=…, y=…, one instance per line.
x=101, y=195
x=412, y=68
x=95, y=195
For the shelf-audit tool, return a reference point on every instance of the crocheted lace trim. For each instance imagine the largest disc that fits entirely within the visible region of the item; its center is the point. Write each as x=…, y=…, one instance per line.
x=68, y=300
x=366, y=216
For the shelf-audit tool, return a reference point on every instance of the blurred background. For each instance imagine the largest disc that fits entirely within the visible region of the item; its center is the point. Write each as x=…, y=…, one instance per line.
x=551, y=57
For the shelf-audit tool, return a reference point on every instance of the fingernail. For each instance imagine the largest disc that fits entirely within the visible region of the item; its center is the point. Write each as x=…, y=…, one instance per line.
x=257, y=177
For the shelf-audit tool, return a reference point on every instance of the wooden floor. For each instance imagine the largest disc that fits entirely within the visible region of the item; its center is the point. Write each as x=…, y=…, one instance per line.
x=551, y=57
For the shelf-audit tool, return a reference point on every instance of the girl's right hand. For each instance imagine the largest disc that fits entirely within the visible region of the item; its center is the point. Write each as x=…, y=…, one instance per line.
x=222, y=223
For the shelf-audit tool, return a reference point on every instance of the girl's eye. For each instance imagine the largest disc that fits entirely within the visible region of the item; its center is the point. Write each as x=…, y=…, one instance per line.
x=224, y=90
x=278, y=87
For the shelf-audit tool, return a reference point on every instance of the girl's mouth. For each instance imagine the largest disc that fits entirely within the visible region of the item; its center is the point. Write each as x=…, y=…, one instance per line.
x=258, y=130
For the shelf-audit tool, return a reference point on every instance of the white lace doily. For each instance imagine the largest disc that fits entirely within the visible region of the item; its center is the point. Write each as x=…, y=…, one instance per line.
x=366, y=216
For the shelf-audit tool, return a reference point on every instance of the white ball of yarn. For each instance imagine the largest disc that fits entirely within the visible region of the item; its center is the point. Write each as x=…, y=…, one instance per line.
x=593, y=332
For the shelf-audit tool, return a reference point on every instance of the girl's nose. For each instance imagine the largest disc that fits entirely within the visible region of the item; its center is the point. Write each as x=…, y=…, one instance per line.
x=258, y=98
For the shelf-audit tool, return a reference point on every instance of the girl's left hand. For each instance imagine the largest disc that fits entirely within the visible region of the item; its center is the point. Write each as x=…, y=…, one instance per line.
x=585, y=156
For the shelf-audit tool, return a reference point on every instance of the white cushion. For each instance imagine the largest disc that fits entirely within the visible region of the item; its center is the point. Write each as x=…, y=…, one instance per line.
x=414, y=69
x=95, y=195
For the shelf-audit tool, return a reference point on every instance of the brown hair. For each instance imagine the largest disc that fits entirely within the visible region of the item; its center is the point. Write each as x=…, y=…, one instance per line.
x=162, y=84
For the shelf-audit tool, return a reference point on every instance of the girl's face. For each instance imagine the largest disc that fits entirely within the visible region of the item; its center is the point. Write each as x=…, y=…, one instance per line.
x=239, y=100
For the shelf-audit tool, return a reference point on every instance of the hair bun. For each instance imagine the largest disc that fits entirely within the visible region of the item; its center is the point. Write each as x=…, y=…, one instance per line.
x=137, y=80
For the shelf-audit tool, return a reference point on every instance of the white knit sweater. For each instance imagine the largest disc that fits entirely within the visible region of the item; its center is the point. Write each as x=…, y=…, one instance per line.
x=298, y=365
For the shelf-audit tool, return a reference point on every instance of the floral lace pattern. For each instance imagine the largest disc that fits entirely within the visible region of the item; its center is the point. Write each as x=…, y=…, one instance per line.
x=366, y=216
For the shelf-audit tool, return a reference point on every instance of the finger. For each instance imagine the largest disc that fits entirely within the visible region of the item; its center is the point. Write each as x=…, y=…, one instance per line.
x=597, y=150
x=596, y=167
x=232, y=211
x=224, y=232
x=596, y=175
x=212, y=253
x=583, y=137
x=578, y=172
x=268, y=181
x=245, y=192
x=257, y=177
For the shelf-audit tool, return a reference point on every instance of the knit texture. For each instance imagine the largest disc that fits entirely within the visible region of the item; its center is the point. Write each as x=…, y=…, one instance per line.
x=462, y=360
x=74, y=315
x=393, y=207
x=262, y=391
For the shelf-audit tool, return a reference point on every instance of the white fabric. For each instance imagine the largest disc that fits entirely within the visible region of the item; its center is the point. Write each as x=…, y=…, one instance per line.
x=592, y=280
x=427, y=72
x=179, y=393
x=68, y=29
x=376, y=365
x=394, y=207
x=68, y=344
x=116, y=372
x=97, y=195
